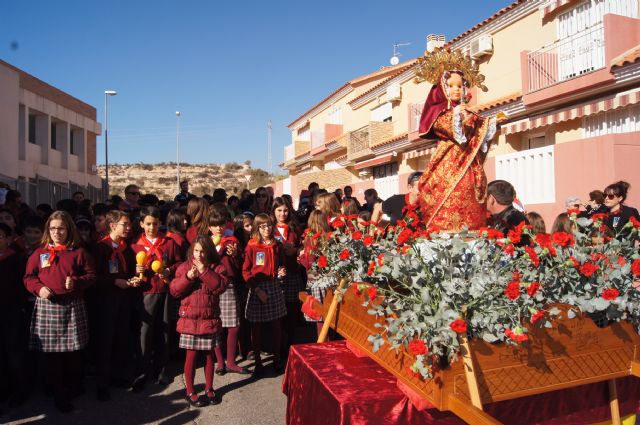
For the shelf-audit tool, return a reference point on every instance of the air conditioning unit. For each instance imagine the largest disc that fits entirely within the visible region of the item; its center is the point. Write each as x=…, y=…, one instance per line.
x=393, y=91
x=481, y=46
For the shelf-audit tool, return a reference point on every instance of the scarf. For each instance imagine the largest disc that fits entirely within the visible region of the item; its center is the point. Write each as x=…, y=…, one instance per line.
x=153, y=248
x=52, y=251
x=118, y=252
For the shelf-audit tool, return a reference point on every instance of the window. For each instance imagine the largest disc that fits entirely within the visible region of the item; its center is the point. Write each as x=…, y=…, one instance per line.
x=618, y=121
x=54, y=136
x=32, y=129
x=72, y=142
x=386, y=170
x=591, y=13
x=304, y=134
x=382, y=113
x=534, y=142
x=335, y=116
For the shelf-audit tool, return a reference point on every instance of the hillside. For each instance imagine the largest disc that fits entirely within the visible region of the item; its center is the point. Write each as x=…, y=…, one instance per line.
x=160, y=179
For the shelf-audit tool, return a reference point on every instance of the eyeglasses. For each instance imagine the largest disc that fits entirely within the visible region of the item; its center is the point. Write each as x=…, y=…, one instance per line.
x=265, y=226
x=611, y=196
x=124, y=224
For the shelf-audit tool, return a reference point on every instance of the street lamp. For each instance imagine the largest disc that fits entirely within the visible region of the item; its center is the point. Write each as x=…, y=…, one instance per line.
x=247, y=177
x=178, y=147
x=107, y=93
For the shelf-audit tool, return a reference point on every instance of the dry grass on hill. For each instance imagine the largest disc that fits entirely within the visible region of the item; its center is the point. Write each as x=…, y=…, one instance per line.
x=160, y=179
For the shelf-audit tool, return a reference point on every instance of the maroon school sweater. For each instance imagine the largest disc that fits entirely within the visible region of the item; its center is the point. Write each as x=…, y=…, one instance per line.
x=168, y=252
x=11, y=269
x=112, y=264
x=74, y=262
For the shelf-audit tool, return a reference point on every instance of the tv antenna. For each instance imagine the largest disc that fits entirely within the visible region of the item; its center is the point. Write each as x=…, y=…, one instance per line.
x=395, y=59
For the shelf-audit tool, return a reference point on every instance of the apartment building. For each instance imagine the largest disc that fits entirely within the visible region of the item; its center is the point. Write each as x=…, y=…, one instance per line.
x=48, y=140
x=567, y=72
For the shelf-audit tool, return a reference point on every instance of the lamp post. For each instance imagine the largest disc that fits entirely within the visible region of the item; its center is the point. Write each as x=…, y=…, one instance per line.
x=107, y=93
x=247, y=177
x=178, y=148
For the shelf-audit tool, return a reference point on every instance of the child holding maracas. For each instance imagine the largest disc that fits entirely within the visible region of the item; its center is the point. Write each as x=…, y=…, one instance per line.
x=161, y=259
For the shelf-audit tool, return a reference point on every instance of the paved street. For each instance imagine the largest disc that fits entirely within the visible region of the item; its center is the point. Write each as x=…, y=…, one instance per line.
x=243, y=402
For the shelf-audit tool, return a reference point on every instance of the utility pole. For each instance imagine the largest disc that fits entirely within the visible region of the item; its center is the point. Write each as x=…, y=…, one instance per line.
x=178, y=148
x=269, y=148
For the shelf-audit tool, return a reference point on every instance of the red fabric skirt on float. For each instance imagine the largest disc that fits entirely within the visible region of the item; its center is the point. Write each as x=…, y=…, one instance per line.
x=327, y=384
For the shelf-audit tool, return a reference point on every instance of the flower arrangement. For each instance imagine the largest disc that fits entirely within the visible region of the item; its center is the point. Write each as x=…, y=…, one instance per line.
x=435, y=288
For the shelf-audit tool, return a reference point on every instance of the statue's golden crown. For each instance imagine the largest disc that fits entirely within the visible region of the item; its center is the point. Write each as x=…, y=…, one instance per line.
x=432, y=65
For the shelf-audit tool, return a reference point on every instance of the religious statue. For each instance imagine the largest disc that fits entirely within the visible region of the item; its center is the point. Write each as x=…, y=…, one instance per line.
x=453, y=188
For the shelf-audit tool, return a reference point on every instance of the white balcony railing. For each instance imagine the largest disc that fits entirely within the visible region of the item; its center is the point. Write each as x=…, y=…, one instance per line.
x=531, y=172
x=317, y=139
x=289, y=152
x=415, y=110
x=568, y=58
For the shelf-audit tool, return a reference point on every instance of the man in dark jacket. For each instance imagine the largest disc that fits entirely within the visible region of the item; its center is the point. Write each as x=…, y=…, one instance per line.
x=504, y=217
x=393, y=206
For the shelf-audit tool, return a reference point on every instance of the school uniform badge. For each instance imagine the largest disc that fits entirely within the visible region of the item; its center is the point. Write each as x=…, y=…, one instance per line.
x=45, y=260
x=260, y=258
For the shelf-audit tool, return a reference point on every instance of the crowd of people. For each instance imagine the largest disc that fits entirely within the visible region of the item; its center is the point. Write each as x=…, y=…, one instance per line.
x=117, y=288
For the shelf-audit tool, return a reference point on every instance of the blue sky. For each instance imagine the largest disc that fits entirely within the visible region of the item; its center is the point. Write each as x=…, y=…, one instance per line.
x=229, y=67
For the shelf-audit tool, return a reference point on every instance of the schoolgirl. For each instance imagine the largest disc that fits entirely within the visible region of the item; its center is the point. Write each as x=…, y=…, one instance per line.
x=317, y=229
x=115, y=270
x=199, y=285
x=153, y=310
x=286, y=232
x=13, y=305
x=176, y=229
x=198, y=214
x=57, y=273
x=227, y=248
x=263, y=272
x=329, y=205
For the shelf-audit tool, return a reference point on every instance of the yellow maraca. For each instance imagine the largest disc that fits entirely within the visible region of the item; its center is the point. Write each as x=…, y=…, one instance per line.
x=141, y=258
x=157, y=266
x=216, y=240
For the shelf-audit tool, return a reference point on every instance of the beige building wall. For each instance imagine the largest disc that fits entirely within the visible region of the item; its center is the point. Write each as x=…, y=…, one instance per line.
x=9, y=100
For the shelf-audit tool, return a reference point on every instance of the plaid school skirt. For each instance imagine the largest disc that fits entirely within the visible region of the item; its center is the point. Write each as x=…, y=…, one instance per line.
x=59, y=325
x=230, y=308
x=293, y=284
x=198, y=342
x=275, y=308
x=318, y=294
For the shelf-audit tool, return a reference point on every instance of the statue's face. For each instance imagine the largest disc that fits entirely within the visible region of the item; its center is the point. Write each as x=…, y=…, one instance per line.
x=455, y=85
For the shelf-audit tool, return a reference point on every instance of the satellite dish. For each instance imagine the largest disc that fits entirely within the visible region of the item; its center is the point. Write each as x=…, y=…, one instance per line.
x=394, y=60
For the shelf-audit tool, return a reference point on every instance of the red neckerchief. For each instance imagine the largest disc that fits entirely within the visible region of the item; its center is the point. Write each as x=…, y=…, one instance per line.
x=118, y=251
x=153, y=248
x=6, y=254
x=52, y=251
x=283, y=229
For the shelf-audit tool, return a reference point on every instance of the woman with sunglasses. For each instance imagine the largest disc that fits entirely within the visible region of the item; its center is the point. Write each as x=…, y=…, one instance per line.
x=619, y=214
x=261, y=202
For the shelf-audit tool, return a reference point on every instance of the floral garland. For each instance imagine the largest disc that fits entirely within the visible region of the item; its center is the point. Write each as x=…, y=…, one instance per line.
x=431, y=286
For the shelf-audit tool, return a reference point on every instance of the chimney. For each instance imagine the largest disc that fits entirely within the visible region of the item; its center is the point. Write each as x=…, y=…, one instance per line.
x=434, y=40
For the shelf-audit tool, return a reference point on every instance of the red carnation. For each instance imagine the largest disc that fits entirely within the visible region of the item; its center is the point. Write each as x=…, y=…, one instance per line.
x=588, y=268
x=368, y=240
x=610, y=294
x=356, y=236
x=404, y=236
x=372, y=292
x=533, y=256
x=401, y=223
x=535, y=318
x=337, y=223
x=380, y=259
x=544, y=240
x=622, y=261
x=372, y=268
x=573, y=211
x=563, y=239
x=512, y=291
x=574, y=262
x=345, y=254
x=356, y=289
x=532, y=289
x=322, y=261
x=459, y=326
x=599, y=216
x=514, y=235
x=516, y=336
x=635, y=222
x=307, y=308
x=635, y=267
x=418, y=347
x=405, y=249
x=509, y=249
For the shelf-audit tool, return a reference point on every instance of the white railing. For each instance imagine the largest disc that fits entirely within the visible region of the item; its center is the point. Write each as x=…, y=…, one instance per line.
x=415, y=110
x=568, y=58
x=289, y=152
x=531, y=172
x=317, y=139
